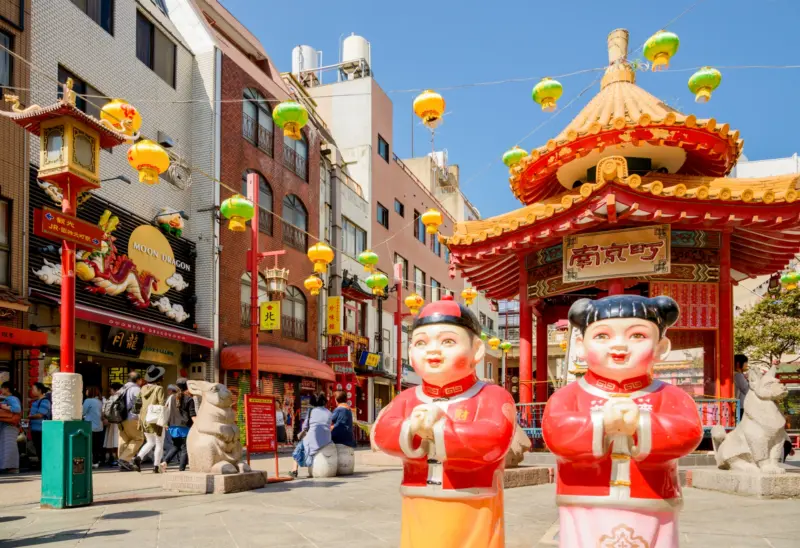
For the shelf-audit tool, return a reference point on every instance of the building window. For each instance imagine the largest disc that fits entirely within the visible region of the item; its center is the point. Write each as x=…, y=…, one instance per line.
x=295, y=223
x=295, y=156
x=92, y=104
x=99, y=11
x=257, y=125
x=446, y=254
x=399, y=208
x=154, y=49
x=162, y=5
x=419, y=282
x=435, y=245
x=5, y=60
x=383, y=216
x=399, y=259
x=355, y=318
x=383, y=148
x=355, y=239
x=293, y=314
x=264, y=201
x=244, y=286
x=419, y=228
x=436, y=290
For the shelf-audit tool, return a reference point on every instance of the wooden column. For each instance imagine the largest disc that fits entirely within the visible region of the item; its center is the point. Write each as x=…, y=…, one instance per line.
x=725, y=365
x=541, y=354
x=525, y=338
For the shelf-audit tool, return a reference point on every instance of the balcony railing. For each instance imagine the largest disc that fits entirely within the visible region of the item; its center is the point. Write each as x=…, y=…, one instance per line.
x=245, y=317
x=295, y=162
x=294, y=237
x=257, y=134
x=264, y=221
x=292, y=328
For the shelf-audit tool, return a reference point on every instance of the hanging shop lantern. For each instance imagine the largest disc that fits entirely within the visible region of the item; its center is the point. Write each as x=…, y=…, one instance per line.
x=546, y=93
x=276, y=278
x=660, y=47
x=368, y=259
x=291, y=117
x=513, y=156
x=505, y=346
x=321, y=255
x=313, y=284
x=703, y=82
x=414, y=302
x=494, y=343
x=432, y=219
x=238, y=210
x=121, y=116
x=469, y=294
x=377, y=282
x=149, y=159
x=429, y=106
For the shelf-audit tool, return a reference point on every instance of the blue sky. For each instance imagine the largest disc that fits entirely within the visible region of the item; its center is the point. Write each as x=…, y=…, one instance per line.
x=443, y=43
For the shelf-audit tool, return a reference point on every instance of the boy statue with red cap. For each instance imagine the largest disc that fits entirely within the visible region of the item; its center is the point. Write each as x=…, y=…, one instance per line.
x=452, y=433
x=617, y=432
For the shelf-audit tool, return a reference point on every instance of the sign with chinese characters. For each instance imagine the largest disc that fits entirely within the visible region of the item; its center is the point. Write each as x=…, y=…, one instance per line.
x=346, y=382
x=120, y=374
x=54, y=225
x=270, y=314
x=369, y=359
x=334, y=316
x=123, y=341
x=308, y=384
x=340, y=358
x=624, y=253
x=699, y=302
x=260, y=424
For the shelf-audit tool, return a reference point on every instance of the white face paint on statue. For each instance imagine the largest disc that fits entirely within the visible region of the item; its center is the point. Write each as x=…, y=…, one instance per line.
x=442, y=354
x=622, y=348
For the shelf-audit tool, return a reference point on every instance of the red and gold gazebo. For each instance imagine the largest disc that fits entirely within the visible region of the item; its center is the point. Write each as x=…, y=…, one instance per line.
x=632, y=196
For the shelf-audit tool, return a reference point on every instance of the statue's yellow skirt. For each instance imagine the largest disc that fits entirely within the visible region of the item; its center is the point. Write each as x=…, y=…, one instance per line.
x=431, y=523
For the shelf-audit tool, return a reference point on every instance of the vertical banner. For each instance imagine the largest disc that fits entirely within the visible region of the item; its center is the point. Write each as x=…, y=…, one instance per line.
x=260, y=424
x=334, y=316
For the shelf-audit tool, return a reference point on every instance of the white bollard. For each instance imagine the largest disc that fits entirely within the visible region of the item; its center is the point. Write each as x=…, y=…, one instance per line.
x=67, y=397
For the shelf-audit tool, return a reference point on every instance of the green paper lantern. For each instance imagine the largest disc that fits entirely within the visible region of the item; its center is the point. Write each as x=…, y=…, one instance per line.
x=291, y=117
x=377, y=282
x=546, y=93
x=368, y=259
x=513, y=156
x=238, y=210
x=660, y=47
x=703, y=82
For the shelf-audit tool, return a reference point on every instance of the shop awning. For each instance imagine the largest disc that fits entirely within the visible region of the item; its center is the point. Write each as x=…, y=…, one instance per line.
x=272, y=359
x=22, y=337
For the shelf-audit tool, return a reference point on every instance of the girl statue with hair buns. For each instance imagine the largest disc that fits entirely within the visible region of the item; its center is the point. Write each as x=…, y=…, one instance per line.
x=618, y=433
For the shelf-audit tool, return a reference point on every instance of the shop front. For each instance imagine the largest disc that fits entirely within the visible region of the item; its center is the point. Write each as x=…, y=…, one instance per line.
x=20, y=349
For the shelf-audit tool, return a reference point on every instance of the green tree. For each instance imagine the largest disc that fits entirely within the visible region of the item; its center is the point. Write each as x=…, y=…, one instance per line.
x=771, y=328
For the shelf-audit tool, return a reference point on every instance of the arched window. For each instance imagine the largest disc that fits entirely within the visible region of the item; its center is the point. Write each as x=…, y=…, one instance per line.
x=264, y=201
x=295, y=156
x=257, y=124
x=244, y=287
x=293, y=314
x=295, y=223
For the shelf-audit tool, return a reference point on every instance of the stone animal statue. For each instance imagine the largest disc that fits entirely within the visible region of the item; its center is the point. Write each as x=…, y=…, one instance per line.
x=756, y=444
x=213, y=442
x=520, y=445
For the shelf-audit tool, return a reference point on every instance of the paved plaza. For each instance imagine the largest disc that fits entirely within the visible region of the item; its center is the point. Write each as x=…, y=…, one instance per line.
x=359, y=511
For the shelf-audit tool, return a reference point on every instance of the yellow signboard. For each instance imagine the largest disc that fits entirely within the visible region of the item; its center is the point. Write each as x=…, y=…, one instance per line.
x=617, y=254
x=372, y=360
x=334, y=316
x=270, y=314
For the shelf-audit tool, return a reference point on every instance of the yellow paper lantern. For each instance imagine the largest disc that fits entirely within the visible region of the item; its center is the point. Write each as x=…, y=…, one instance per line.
x=563, y=345
x=494, y=343
x=469, y=294
x=432, y=219
x=429, y=106
x=321, y=255
x=121, y=117
x=313, y=284
x=414, y=302
x=149, y=159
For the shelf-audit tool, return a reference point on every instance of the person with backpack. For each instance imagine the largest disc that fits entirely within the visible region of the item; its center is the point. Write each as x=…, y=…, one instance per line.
x=180, y=413
x=151, y=419
x=130, y=437
x=111, y=438
x=40, y=411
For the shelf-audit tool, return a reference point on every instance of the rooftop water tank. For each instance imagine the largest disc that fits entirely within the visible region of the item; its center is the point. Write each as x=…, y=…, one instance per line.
x=355, y=49
x=306, y=60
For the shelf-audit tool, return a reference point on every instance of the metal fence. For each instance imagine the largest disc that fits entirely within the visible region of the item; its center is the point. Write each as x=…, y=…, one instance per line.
x=257, y=134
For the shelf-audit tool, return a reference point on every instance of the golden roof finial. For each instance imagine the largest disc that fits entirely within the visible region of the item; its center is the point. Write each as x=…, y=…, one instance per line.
x=619, y=69
x=69, y=95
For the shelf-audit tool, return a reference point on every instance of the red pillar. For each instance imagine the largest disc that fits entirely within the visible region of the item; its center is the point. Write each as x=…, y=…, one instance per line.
x=69, y=204
x=398, y=322
x=525, y=338
x=616, y=287
x=252, y=259
x=725, y=319
x=541, y=354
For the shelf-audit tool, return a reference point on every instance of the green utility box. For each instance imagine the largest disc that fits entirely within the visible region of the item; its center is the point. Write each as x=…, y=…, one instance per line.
x=67, y=465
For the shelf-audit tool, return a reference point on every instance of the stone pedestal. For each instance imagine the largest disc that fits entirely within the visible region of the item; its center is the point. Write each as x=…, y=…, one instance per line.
x=201, y=483
x=768, y=486
x=326, y=462
x=346, y=460
x=67, y=397
x=524, y=476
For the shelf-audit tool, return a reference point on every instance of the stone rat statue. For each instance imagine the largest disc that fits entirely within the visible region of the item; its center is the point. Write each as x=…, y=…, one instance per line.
x=213, y=442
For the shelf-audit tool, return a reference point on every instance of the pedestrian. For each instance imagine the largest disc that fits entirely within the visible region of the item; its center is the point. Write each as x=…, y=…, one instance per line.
x=10, y=414
x=130, y=437
x=181, y=413
x=280, y=421
x=788, y=448
x=151, y=419
x=740, y=380
x=93, y=413
x=315, y=434
x=289, y=424
x=41, y=410
x=342, y=421
x=111, y=438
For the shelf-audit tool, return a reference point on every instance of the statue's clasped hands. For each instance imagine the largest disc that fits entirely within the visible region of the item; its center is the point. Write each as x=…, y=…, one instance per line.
x=620, y=416
x=423, y=418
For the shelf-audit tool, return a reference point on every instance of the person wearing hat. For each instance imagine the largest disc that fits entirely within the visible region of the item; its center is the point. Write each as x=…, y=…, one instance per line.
x=152, y=395
x=452, y=433
x=618, y=433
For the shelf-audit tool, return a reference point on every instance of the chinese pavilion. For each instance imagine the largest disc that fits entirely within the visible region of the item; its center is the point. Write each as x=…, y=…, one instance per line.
x=632, y=197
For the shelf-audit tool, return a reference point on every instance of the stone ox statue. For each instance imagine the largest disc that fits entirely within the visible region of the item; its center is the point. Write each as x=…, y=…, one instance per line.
x=756, y=444
x=213, y=442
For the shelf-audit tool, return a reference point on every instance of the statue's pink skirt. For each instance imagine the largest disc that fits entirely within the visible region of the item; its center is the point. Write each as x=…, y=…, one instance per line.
x=585, y=527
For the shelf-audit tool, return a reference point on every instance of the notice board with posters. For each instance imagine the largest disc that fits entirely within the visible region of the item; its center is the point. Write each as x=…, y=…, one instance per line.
x=260, y=424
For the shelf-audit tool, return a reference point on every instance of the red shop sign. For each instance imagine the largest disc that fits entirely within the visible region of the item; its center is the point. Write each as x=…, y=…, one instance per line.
x=260, y=424
x=54, y=225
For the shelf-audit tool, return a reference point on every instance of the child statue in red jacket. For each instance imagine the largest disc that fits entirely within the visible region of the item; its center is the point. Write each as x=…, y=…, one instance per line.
x=452, y=433
x=617, y=432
